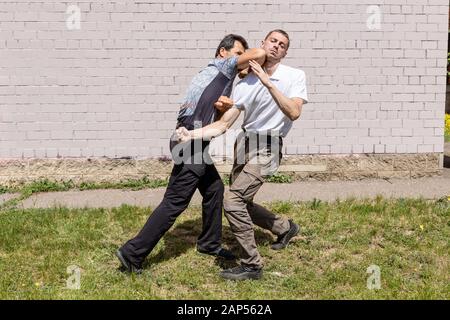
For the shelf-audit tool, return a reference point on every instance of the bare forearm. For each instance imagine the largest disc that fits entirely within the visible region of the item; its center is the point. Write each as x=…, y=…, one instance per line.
x=262, y=59
x=207, y=133
x=257, y=54
x=210, y=131
x=289, y=107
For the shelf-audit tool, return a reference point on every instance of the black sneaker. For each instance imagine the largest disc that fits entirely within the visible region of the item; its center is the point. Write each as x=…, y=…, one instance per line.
x=126, y=264
x=219, y=253
x=242, y=273
x=284, y=239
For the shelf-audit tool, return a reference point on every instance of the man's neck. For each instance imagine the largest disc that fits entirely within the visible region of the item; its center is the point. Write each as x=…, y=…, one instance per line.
x=271, y=66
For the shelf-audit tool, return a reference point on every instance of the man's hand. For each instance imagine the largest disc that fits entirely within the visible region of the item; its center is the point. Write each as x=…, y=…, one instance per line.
x=260, y=73
x=223, y=104
x=183, y=134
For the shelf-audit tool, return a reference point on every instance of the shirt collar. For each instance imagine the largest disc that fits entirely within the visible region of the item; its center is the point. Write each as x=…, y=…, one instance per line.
x=277, y=74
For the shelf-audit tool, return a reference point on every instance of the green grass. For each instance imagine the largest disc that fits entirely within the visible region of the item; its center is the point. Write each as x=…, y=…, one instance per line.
x=279, y=178
x=447, y=127
x=408, y=240
x=27, y=189
x=276, y=178
x=45, y=185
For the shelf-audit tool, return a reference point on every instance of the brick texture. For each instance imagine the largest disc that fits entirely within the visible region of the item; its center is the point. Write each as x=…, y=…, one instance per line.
x=113, y=87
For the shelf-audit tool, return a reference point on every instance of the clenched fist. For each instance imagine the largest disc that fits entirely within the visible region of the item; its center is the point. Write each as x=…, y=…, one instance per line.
x=183, y=134
x=223, y=104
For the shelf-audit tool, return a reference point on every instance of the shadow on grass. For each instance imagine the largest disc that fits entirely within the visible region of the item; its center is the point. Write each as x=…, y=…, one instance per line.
x=183, y=237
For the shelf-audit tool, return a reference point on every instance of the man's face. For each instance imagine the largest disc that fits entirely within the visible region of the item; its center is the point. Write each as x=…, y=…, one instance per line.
x=276, y=46
x=237, y=50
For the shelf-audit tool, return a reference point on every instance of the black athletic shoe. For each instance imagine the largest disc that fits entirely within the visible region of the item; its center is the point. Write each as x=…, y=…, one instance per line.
x=126, y=264
x=242, y=273
x=284, y=239
x=219, y=253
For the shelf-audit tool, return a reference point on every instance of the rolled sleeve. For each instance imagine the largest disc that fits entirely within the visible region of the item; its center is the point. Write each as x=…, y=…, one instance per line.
x=227, y=66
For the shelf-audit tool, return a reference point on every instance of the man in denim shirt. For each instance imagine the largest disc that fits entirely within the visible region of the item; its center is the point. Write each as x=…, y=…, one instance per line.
x=190, y=172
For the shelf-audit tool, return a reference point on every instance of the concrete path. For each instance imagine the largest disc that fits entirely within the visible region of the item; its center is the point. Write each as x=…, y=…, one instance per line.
x=428, y=188
x=8, y=196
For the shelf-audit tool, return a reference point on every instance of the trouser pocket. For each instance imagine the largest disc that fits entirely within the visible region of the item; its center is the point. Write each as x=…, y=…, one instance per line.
x=248, y=182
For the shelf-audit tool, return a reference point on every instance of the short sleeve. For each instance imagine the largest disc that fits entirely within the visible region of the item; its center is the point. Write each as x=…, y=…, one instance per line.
x=238, y=96
x=227, y=66
x=298, y=87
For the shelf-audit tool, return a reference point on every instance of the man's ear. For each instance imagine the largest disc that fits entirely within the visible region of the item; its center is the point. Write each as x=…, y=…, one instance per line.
x=222, y=52
x=285, y=53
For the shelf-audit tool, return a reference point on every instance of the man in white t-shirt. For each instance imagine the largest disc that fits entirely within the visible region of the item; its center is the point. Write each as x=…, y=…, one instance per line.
x=271, y=97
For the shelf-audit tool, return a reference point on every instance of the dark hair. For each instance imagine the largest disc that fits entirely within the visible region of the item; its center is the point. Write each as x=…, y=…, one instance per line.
x=284, y=33
x=228, y=42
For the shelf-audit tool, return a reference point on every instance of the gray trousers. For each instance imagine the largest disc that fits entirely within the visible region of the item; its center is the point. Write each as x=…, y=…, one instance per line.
x=247, y=177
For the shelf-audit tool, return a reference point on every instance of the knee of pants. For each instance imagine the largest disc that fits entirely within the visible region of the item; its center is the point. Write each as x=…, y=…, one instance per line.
x=239, y=227
x=219, y=188
x=215, y=189
x=233, y=202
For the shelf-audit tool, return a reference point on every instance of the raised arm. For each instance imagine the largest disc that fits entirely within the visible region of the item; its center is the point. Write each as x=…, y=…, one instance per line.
x=257, y=54
x=291, y=107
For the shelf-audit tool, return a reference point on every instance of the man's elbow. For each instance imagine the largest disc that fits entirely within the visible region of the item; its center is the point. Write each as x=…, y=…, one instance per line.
x=295, y=114
x=260, y=55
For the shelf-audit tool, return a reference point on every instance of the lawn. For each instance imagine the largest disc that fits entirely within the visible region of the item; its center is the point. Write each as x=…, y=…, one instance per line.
x=447, y=128
x=407, y=239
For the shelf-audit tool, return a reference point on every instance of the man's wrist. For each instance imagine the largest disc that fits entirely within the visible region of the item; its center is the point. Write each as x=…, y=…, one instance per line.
x=269, y=85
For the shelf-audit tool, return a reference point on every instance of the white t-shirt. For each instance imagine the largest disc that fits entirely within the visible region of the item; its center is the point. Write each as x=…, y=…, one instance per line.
x=261, y=112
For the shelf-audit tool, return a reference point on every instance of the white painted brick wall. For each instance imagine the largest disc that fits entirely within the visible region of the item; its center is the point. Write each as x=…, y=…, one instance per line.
x=113, y=88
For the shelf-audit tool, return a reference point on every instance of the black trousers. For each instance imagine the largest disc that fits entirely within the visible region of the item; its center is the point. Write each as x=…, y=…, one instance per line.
x=184, y=180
